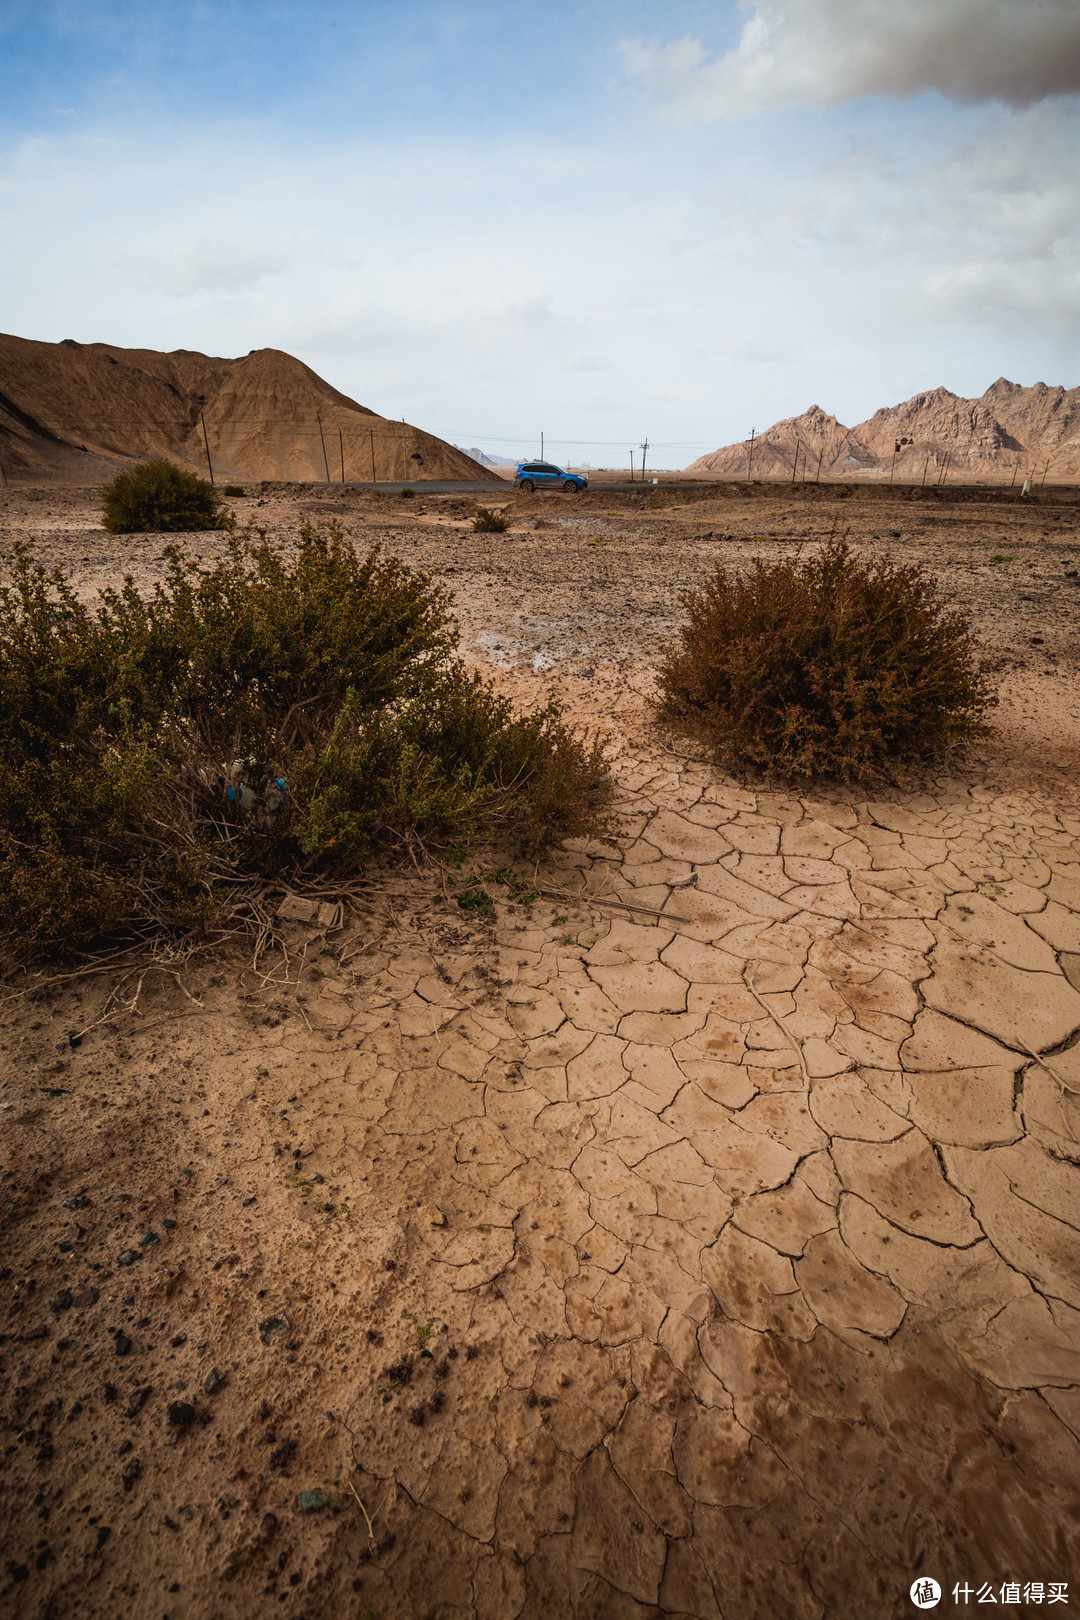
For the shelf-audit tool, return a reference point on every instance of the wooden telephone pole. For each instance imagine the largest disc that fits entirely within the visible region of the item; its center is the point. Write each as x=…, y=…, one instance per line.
x=750, y=461
x=322, y=441
x=206, y=442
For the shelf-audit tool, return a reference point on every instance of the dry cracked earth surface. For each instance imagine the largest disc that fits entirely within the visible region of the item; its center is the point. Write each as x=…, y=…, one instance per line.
x=693, y=1233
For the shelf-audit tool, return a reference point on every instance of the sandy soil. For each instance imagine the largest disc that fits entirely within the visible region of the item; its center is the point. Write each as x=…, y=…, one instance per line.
x=697, y=1238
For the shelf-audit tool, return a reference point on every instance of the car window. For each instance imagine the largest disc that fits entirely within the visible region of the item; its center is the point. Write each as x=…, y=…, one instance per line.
x=545, y=466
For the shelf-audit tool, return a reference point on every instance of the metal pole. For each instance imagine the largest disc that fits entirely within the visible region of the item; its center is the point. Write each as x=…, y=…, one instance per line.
x=371, y=446
x=892, y=463
x=750, y=462
x=817, y=477
x=925, y=464
x=341, y=448
x=206, y=441
x=1042, y=480
x=644, y=449
x=322, y=441
x=795, y=463
x=404, y=463
x=631, y=466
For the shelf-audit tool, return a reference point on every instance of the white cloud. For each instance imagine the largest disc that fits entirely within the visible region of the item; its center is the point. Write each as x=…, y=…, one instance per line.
x=220, y=264
x=823, y=52
x=985, y=233
x=736, y=289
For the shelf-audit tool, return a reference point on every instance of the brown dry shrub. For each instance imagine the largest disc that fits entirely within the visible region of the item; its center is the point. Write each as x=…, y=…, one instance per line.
x=489, y=522
x=824, y=666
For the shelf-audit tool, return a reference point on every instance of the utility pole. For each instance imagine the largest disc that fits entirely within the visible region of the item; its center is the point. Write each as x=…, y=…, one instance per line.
x=945, y=466
x=925, y=464
x=643, y=448
x=631, y=466
x=750, y=462
x=322, y=441
x=371, y=446
x=817, y=475
x=1042, y=480
x=404, y=463
x=341, y=447
x=892, y=463
x=206, y=441
x=795, y=463
x=1012, y=480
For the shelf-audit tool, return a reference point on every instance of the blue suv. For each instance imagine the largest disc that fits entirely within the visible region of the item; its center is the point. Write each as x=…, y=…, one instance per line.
x=545, y=475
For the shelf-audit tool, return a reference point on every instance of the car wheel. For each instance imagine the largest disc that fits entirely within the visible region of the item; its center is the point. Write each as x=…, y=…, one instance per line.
x=526, y=486
x=570, y=488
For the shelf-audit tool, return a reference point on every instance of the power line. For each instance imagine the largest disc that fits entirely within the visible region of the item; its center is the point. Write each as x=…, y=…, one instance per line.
x=298, y=425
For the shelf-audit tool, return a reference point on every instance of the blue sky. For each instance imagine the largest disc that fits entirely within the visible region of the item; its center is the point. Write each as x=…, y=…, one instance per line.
x=606, y=221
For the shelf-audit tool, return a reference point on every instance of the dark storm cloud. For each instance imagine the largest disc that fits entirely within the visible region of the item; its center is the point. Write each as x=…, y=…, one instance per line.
x=821, y=52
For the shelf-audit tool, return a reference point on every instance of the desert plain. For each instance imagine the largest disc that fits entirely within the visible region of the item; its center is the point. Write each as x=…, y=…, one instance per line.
x=691, y=1233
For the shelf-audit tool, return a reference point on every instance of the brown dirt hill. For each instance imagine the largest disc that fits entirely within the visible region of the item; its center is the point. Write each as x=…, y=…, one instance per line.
x=1009, y=428
x=79, y=410
x=811, y=436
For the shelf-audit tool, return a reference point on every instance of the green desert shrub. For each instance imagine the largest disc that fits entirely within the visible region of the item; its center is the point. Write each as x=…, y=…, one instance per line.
x=233, y=489
x=488, y=522
x=827, y=666
x=157, y=497
x=268, y=713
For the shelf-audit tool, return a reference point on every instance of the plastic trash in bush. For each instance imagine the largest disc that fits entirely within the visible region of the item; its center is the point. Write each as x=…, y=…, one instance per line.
x=238, y=791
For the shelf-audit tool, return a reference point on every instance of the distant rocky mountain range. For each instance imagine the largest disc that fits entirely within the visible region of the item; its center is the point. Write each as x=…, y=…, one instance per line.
x=78, y=411
x=512, y=461
x=1010, y=428
x=485, y=460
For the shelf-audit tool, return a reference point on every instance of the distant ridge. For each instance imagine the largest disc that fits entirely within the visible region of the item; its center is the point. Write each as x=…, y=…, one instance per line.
x=1010, y=428
x=74, y=411
x=484, y=459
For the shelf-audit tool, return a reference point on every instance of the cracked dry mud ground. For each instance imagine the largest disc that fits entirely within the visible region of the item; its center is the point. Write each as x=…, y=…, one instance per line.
x=757, y=1293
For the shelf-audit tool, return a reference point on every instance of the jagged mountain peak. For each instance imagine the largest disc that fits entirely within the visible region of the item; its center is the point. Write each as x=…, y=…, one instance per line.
x=1011, y=426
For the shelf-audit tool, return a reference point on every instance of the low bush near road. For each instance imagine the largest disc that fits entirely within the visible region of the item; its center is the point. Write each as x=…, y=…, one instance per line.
x=488, y=522
x=157, y=497
x=259, y=715
x=829, y=666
